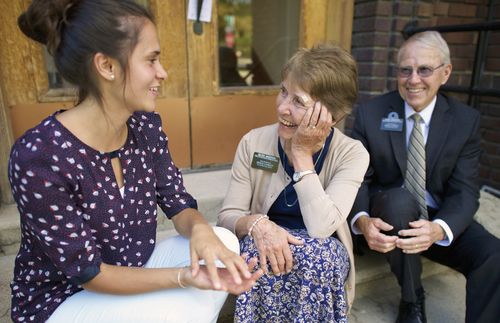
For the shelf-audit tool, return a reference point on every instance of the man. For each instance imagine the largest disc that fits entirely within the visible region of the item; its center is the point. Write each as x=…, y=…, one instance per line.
x=420, y=192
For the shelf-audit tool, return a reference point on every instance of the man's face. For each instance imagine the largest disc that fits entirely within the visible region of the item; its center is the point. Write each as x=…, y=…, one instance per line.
x=419, y=90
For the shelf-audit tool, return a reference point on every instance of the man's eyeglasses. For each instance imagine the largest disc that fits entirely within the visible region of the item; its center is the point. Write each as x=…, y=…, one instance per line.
x=422, y=71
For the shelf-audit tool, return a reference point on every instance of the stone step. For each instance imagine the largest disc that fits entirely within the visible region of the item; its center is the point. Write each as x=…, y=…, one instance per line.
x=209, y=188
x=10, y=234
x=370, y=269
x=372, y=272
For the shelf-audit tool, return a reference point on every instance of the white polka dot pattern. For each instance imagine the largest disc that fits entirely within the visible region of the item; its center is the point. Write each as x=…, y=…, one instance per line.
x=73, y=216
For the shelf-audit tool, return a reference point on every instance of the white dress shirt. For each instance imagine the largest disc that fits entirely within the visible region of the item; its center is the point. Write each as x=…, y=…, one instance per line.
x=426, y=115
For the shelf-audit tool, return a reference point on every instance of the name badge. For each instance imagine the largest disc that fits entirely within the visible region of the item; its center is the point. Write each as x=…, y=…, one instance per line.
x=392, y=123
x=265, y=162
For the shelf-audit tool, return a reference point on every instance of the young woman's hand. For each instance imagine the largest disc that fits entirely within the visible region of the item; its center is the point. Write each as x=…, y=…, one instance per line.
x=203, y=279
x=205, y=245
x=273, y=243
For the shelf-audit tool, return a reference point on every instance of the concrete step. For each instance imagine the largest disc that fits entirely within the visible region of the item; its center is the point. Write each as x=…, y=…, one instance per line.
x=10, y=234
x=209, y=188
x=370, y=300
x=378, y=301
x=372, y=274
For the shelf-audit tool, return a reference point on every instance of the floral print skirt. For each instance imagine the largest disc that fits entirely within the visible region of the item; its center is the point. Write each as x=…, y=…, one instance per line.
x=312, y=292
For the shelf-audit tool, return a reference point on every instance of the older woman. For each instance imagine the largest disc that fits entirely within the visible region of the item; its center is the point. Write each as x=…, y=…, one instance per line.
x=293, y=184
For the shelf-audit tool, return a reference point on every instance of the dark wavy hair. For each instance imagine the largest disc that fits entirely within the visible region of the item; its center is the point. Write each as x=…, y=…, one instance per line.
x=75, y=30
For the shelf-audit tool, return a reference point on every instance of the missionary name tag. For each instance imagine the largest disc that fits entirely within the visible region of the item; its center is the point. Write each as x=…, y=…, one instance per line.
x=265, y=162
x=392, y=123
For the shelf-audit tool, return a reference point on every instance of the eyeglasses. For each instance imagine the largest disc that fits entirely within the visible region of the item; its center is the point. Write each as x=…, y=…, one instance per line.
x=422, y=71
x=303, y=102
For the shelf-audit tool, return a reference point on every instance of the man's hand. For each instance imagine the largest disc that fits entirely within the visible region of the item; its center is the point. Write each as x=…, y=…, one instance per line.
x=378, y=241
x=422, y=235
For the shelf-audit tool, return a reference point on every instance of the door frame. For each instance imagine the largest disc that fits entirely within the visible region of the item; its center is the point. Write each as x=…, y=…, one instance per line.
x=191, y=103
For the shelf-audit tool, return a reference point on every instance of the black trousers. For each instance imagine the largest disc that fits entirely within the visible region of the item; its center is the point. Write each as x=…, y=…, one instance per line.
x=475, y=253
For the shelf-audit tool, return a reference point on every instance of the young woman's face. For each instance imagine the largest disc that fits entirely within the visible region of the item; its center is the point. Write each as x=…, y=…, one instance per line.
x=145, y=71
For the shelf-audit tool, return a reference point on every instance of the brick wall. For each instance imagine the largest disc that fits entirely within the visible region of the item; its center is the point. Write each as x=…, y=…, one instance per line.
x=377, y=35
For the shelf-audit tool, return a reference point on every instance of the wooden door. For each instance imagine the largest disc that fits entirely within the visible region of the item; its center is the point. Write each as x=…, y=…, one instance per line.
x=204, y=120
x=219, y=114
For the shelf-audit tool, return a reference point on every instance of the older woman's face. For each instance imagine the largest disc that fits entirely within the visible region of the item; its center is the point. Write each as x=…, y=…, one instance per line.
x=291, y=105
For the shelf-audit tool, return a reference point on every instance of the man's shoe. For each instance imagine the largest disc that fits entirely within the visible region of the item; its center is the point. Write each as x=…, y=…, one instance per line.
x=410, y=313
x=421, y=303
x=413, y=312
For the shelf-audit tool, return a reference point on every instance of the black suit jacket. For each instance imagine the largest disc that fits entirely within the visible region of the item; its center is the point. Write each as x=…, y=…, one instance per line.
x=452, y=156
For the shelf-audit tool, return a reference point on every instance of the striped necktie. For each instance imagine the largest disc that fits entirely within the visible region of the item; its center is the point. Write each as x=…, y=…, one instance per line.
x=415, y=167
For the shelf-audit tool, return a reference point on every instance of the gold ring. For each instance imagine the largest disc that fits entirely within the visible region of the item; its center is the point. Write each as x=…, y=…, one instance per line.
x=416, y=245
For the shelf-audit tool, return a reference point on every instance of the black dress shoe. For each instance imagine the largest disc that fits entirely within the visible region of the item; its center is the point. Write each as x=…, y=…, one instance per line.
x=413, y=312
x=410, y=313
x=421, y=303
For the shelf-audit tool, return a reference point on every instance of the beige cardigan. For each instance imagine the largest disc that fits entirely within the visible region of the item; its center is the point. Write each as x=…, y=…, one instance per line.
x=325, y=199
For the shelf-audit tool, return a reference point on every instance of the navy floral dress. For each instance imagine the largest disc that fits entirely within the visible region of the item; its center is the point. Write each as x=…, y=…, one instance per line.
x=314, y=290
x=73, y=216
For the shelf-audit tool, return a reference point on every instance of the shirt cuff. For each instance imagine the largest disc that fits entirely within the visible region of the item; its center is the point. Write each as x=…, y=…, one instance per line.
x=354, y=227
x=448, y=239
x=87, y=274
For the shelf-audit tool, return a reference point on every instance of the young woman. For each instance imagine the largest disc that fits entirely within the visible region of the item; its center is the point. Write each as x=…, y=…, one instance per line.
x=292, y=187
x=87, y=182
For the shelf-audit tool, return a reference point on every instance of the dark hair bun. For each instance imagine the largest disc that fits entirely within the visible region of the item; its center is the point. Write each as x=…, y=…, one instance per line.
x=43, y=21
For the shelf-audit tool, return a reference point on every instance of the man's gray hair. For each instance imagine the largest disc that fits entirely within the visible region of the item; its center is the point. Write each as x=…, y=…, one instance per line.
x=429, y=39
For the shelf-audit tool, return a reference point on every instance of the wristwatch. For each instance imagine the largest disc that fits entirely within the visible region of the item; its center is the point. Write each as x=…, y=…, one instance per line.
x=297, y=176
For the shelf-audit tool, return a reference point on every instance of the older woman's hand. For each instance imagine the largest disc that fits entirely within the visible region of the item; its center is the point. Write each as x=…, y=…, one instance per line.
x=312, y=131
x=272, y=242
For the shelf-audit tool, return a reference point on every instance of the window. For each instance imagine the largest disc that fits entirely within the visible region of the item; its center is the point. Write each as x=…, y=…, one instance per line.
x=255, y=39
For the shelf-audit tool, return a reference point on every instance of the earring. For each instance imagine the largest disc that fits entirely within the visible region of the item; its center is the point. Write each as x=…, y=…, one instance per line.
x=112, y=76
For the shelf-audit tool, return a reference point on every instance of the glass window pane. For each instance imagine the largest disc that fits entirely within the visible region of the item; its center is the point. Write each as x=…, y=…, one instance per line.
x=145, y=3
x=256, y=37
x=55, y=79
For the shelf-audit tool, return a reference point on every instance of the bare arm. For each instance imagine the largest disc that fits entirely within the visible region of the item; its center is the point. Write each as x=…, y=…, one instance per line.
x=111, y=279
x=132, y=280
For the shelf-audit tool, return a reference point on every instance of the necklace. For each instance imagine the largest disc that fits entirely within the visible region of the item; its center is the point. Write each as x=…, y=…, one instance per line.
x=284, y=175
